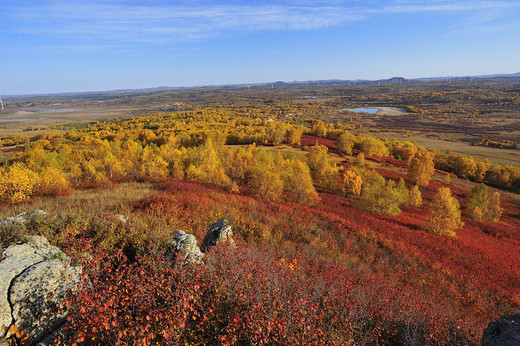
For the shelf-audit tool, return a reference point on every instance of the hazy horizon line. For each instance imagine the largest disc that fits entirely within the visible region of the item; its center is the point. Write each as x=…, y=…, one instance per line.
x=492, y=75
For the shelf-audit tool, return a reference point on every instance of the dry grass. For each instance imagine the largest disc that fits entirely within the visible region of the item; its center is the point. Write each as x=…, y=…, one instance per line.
x=90, y=211
x=86, y=202
x=43, y=116
x=448, y=141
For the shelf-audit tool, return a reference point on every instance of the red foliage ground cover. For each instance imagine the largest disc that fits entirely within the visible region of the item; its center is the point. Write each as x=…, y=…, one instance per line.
x=300, y=274
x=309, y=141
x=12, y=150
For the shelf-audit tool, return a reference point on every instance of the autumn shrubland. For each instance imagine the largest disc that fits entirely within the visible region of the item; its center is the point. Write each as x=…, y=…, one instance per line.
x=341, y=238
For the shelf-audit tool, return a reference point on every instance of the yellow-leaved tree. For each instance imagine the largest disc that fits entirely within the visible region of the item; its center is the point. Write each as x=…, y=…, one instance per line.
x=319, y=129
x=345, y=142
x=153, y=164
x=484, y=206
x=294, y=136
x=495, y=210
x=298, y=181
x=263, y=175
x=276, y=132
x=17, y=183
x=372, y=146
x=52, y=181
x=206, y=164
x=444, y=217
x=238, y=163
x=414, y=197
x=465, y=167
x=352, y=183
x=421, y=167
x=360, y=161
x=323, y=173
x=380, y=195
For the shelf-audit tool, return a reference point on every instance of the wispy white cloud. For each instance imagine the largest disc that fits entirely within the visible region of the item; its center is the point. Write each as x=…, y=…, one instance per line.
x=160, y=23
x=485, y=27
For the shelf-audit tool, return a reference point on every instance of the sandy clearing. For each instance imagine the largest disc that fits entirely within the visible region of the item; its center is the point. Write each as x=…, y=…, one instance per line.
x=391, y=111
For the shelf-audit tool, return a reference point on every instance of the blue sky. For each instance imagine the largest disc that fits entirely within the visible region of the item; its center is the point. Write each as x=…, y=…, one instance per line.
x=67, y=46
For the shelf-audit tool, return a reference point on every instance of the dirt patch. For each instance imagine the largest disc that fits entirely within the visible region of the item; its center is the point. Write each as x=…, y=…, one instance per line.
x=391, y=111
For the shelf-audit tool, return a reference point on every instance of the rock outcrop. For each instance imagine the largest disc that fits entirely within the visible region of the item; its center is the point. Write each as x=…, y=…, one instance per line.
x=503, y=332
x=34, y=280
x=220, y=232
x=184, y=246
x=22, y=218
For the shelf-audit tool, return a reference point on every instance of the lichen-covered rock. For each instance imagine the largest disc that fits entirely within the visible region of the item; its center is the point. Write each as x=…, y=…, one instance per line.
x=34, y=279
x=503, y=332
x=22, y=218
x=184, y=246
x=121, y=218
x=219, y=232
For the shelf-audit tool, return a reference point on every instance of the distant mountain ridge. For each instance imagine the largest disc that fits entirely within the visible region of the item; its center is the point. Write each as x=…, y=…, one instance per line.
x=392, y=80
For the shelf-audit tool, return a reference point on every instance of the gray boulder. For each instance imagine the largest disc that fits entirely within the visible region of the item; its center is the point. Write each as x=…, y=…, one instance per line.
x=184, y=246
x=22, y=218
x=34, y=279
x=504, y=332
x=121, y=218
x=220, y=232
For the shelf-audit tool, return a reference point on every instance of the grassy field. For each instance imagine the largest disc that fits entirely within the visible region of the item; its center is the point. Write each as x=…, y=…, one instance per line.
x=501, y=156
x=36, y=120
x=85, y=202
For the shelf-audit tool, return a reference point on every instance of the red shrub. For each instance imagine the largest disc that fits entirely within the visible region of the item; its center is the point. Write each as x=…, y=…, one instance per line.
x=344, y=276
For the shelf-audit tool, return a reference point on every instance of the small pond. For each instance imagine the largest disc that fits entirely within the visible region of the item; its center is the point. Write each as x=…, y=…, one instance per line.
x=362, y=110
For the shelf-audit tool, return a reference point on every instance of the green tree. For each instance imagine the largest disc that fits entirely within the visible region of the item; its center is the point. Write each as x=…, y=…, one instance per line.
x=484, y=206
x=380, y=195
x=478, y=203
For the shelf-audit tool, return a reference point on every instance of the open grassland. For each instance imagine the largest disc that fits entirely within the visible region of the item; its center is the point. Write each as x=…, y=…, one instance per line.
x=445, y=143
x=37, y=120
x=89, y=202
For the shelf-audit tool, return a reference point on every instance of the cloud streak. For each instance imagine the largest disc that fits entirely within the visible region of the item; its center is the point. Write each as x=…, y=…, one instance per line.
x=169, y=23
